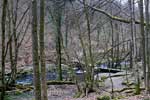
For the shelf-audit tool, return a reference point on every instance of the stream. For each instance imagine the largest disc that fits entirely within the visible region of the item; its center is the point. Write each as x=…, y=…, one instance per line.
x=52, y=74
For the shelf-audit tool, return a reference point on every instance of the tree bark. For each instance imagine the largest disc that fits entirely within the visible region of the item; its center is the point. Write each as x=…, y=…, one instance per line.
x=3, y=23
x=147, y=45
x=35, y=52
x=143, y=39
x=42, y=51
x=10, y=46
x=14, y=21
x=58, y=18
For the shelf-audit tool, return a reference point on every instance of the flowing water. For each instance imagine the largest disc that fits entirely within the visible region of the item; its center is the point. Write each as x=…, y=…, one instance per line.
x=52, y=75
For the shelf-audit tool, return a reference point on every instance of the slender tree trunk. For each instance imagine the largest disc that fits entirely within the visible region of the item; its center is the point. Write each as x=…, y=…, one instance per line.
x=66, y=31
x=143, y=39
x=117, y=48
x=133, y=47
x=147, y=45
x=58, y=47
x=89, y=46
x=35, y=52
x=3, y=23
x=10, y=47
x=15, y=43
x=58, y=17
x=112, y=40
x=133, y=35
x=112, y=57
x=98, y=35
x=42, y=51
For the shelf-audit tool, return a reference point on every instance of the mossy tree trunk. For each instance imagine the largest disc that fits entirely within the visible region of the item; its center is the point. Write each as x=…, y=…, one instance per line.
x=147, y=45
x=143, y=39
x=58, y=6
x=42, y=51
x=35, y=55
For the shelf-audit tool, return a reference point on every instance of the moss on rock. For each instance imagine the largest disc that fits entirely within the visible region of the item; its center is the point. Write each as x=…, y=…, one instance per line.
x=105, y=97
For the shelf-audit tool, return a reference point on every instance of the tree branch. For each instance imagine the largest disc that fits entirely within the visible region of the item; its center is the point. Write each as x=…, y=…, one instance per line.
x=111, y=16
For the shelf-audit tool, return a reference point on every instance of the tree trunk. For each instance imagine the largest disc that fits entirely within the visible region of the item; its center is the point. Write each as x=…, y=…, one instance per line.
x=14, y=71
x=35, y=52
x=42, y=51
x=3, y=23
x=133, y=34
x=66, y=31
x=58, y=49
x=58, y=16
x=147, y=45
x=10, y=47
x=143, y=39
x=91, y=67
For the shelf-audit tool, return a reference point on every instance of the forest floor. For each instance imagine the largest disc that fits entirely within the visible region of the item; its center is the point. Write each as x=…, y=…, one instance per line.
x=55, y=92
x=68, y=92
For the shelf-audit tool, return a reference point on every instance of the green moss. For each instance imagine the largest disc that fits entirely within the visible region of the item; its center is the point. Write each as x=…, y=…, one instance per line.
x=137, y=89
x=59, y=82
x=18, y=92
x=119, y=97
x=146, y=99
x=7, y=97
x=103, y=78
x=77, y=95
x=105, y=97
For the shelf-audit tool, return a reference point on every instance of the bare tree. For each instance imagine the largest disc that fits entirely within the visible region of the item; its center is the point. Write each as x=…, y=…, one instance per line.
x=3, y=24
x=91, y=65
x=17, y=31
